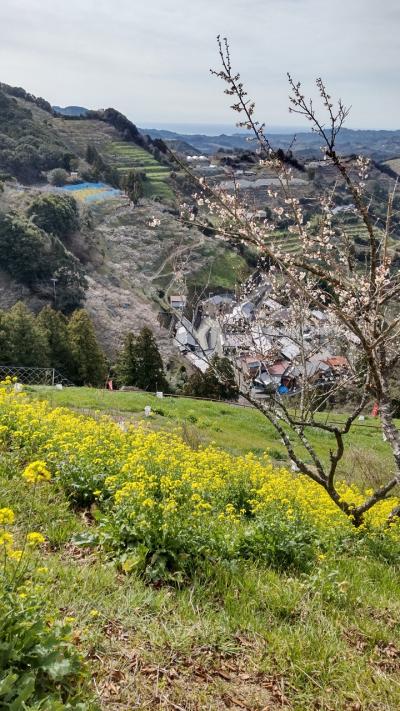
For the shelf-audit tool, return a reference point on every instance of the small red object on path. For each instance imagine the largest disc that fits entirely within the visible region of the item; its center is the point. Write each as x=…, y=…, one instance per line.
x=375, y=410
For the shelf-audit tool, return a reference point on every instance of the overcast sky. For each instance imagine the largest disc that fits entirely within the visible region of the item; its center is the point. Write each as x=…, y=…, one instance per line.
x=151, y=59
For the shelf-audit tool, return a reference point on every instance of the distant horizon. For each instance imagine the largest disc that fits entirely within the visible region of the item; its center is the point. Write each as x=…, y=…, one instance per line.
x=209, y=128
x=212, y=129
x=216, y=129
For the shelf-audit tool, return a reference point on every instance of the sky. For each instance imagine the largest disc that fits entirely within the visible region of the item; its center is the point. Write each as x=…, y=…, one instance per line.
x=151, y=59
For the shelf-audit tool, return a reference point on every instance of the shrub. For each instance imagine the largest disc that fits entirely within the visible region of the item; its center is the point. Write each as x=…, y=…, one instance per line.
x=58, y=176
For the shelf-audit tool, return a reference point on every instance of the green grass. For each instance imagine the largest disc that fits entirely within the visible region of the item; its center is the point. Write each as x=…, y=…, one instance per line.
x=237, y=429
x=223, y=270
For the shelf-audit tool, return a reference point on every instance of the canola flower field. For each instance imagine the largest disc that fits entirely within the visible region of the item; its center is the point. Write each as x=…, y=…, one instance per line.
x=162, y=513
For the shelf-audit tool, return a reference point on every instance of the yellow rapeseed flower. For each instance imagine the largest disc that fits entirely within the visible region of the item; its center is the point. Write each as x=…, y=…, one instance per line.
x=6, y=539
x=7, y=517
x=34, y=539
x=36, y=472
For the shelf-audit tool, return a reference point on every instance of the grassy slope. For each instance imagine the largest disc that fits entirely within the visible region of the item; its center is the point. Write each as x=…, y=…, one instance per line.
x=242, y=638
x=237, y=429
x=223, y=270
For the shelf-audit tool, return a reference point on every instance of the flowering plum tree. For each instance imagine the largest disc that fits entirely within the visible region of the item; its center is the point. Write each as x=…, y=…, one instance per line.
x=354, y=300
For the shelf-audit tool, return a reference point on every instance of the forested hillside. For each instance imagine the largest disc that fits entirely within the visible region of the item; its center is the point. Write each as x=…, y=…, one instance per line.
x=77, y=195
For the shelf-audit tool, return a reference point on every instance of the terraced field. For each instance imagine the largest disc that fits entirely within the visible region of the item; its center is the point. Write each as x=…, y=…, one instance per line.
x=127, y=156
x=357, y=234
x=123, y=156
x=285, y=241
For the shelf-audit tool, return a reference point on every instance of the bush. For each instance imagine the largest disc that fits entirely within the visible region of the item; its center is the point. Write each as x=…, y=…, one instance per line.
x=58, y=176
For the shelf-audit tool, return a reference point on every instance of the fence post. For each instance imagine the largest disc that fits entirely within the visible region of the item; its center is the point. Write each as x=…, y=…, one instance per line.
x=53, y=377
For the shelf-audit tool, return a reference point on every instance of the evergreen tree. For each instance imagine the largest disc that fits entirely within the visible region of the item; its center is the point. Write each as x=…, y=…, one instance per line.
x=26, y=339
x=89, y=362
x=24, y=249
x=140, y=362
x=91, y=153
x=133, y=185
x=218, y=382
x=57, y=214
x=126, y=364
x=55, y=327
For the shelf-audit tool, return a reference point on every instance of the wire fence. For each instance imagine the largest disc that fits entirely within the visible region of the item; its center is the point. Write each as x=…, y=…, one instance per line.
x=34, y=376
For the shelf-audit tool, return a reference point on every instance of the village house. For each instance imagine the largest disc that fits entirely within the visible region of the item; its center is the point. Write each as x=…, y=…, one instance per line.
x=178, y=301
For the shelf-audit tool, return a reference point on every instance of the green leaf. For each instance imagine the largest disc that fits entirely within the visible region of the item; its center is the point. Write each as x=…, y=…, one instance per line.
x=7, y=684
x=57, y=667
x=26, y=687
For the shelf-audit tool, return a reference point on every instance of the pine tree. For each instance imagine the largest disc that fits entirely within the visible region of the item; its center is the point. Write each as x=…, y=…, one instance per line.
x=27, y=341
x=55, y=327
x=140, y=362
x=89, y=362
